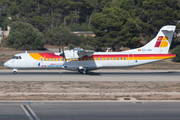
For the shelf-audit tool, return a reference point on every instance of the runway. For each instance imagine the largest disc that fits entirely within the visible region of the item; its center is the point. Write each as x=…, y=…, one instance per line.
x=97, y=75
x=80, y=110
x=89, y=111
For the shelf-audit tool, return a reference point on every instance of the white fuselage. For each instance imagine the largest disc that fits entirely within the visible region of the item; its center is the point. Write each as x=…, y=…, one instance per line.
x=82, y=60
x=96, y=61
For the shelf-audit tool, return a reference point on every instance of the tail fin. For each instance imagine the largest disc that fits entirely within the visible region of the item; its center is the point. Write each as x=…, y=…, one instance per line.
x=160, y=44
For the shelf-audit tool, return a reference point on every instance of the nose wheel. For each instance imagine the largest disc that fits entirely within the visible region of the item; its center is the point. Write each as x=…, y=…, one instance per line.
x=15, y=71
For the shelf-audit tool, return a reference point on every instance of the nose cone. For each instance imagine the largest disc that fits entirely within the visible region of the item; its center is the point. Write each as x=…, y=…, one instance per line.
x=6, y=64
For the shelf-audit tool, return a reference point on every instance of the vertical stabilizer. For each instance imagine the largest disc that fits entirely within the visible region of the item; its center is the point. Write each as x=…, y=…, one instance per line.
x=160, y=44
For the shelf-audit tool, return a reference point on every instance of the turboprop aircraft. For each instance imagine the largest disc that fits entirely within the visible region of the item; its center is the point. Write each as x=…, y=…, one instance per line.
x=86, y=60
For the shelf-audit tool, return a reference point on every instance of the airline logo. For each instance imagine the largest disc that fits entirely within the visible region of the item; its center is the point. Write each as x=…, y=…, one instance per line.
x=162, y=41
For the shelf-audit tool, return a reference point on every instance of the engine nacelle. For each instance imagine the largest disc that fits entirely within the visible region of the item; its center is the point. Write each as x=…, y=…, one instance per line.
x=77, y=53
x=70, y=54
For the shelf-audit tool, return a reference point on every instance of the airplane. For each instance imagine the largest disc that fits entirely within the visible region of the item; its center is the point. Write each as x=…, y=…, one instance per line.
x=85, y=60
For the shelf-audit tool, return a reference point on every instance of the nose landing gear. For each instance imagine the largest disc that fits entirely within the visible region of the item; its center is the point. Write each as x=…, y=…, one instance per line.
x=15, y=71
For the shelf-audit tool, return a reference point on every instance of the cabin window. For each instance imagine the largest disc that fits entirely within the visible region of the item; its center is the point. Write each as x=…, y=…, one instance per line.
x=51, y=59
x=107, y=58
x=58, y=59
x=117, y=58
x=55, y=59
x=100, y=58
x=45, y=59
x=124, y=58
x=111, y=58
x=121, y=58
x=41, y=59
x=114, y=58
x=48, y=59
x=62, y=59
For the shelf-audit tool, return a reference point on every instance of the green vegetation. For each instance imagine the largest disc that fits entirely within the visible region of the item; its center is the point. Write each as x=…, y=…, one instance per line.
x=61, y=36
x=176, y=51
x=116, y=23
x=127, y=22
x=24, y=36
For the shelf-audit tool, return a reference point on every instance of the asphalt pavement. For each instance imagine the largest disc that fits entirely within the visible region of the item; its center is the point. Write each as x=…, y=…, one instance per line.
x=90, y=110
x=97, y=75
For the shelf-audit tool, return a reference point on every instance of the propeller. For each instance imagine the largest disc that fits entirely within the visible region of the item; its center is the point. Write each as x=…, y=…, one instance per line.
x=63, y=54
x=59, y=49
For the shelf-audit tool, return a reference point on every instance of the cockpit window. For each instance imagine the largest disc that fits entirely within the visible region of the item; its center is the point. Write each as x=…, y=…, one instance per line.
x=17, y=57
x=14, y=57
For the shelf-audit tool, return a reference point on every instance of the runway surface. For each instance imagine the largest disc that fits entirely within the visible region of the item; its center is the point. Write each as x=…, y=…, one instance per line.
x=89, y=111
x=98, y=75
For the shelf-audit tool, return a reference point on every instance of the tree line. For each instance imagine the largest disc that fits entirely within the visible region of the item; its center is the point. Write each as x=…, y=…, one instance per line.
x=116, y=23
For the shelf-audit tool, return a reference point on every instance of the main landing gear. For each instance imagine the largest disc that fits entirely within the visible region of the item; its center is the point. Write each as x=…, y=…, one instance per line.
x=15, y=71
x=82, y=70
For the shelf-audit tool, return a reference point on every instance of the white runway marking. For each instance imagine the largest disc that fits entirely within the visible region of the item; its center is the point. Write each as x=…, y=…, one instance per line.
x=29, y=112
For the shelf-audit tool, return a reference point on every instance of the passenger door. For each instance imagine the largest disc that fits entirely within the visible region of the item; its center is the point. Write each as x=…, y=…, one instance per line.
x=131, y=59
